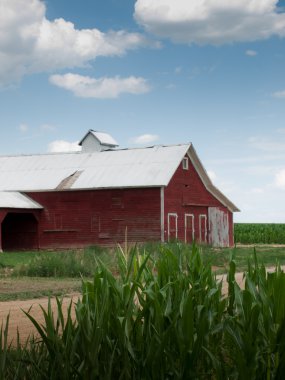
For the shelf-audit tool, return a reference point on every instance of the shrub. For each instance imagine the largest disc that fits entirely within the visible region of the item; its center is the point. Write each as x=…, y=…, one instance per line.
x=64, y=264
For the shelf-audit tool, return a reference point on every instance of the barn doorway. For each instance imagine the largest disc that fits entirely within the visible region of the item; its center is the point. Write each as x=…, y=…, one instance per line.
x=189, y=228
x=19, y=231
x=203, y=228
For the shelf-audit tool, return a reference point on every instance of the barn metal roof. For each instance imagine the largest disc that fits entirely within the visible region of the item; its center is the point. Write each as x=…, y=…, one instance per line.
x=142, y=167
x=103, y=138
x=9, y=199
x=122, y=168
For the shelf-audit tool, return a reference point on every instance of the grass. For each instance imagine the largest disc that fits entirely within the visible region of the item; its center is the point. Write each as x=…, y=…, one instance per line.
x=13, y=259
x=21, y=288
x=220, y=257
x=66, y=264
x=37, y=274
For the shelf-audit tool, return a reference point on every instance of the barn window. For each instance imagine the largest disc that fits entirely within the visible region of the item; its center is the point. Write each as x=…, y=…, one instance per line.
x=185, y=163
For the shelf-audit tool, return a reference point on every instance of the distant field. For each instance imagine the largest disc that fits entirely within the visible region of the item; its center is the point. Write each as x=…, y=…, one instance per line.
x=259, y=233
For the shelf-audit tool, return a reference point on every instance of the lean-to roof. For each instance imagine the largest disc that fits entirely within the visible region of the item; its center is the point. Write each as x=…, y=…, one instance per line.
x=13, y=199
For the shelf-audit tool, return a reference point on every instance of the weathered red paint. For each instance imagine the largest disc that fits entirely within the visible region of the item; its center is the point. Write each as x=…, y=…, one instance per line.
x=105, y=217
x=186, y=194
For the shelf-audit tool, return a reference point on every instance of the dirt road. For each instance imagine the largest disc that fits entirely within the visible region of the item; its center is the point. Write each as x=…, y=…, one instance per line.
x=18, y=320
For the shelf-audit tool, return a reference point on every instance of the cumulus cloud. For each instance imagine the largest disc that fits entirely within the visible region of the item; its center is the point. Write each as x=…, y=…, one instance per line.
x=211, y=21
x=251, y=53
x=144, y=139
x=102, y=88
x=29, y=42
x=58, y=146
x=280, y=179
x=279, y=94
x=266, y=144
x=48, y=128
x=23, y=128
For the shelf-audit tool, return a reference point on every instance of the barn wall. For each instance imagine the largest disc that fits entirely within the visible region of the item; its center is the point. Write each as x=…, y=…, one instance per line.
x=186, y=194
x=81, y=218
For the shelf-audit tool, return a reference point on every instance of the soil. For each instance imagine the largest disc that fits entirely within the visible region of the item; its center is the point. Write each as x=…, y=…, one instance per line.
x=18, y=321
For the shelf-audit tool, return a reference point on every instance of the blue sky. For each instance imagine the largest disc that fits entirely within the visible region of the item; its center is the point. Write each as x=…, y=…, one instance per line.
x=210, y=72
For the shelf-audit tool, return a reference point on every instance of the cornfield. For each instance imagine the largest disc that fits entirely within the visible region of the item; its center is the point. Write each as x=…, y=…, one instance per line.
x=259, y=233
x=160, y=318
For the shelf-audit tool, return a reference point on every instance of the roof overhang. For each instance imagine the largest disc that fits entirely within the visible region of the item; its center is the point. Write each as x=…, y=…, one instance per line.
x=207, y=181
x=17, y=200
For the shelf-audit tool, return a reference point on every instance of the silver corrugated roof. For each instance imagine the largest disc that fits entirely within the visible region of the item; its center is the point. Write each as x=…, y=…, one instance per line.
x=153, y=166
x=10, y=199
x=103, y=138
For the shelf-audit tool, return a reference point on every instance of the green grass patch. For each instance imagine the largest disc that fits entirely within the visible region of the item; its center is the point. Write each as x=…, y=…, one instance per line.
x=83, y=263
x=13, y=259
x=12, y=288
x=220, y=257
x=61, y=264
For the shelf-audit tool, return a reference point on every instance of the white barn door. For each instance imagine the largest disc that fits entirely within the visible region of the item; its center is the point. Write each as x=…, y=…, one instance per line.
x=219, y=227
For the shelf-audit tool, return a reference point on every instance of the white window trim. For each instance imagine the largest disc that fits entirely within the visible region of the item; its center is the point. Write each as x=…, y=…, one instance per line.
x=202, y=216
x=185, y=227
x=185, y=163
x=170, y=214
x=162, y=214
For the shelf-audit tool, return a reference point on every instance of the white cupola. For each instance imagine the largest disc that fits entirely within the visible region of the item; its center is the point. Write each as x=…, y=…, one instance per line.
x=95, y=141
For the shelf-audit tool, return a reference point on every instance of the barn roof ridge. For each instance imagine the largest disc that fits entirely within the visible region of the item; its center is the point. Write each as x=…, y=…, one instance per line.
x=88, y=153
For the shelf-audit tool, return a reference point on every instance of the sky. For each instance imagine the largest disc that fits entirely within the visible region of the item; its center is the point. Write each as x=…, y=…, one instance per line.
x=210, y=72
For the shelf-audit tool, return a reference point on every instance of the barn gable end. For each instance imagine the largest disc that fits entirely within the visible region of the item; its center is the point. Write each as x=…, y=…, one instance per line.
x=192, y=211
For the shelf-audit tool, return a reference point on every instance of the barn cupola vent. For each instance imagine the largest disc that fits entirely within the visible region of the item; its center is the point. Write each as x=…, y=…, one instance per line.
x=95, y=141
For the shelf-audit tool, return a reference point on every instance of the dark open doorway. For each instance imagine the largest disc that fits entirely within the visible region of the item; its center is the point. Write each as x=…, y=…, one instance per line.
x=19, y=232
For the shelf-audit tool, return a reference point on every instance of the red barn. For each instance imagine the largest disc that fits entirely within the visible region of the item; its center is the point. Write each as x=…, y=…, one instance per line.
x=102, y=193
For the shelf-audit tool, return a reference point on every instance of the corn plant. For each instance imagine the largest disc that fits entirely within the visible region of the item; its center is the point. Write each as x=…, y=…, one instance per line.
x=160, y=317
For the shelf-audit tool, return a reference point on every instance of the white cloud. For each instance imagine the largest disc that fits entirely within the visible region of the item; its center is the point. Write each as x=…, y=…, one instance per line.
x=63, y=146
x=48, y=128
x=211, y=21
x=23, y=128
x=144, y=139
x=281, y=130
x=102, y=88
x=29, y=42
x=256, y=190
x=279, y=94
x=251, y=53
x=280, y=179
x=267, y=144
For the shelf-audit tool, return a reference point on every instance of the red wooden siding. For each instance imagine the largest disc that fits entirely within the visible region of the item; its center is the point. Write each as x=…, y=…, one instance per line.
x=186, y=194
x=80, y=218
